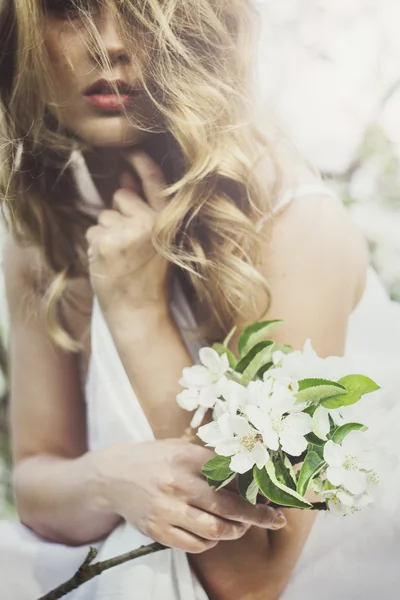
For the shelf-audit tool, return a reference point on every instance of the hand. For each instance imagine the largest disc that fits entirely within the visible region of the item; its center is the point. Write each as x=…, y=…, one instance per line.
x=125, y=269
x=158, y=487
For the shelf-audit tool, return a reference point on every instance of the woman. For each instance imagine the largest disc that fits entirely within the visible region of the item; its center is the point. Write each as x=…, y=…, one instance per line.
x=134, y=184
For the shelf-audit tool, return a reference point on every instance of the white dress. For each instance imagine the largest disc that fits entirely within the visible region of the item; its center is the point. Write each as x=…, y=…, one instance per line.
x=351, y=558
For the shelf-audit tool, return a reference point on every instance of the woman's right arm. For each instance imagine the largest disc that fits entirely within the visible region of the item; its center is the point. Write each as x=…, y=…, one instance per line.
x=67, y=494
x=55, y=480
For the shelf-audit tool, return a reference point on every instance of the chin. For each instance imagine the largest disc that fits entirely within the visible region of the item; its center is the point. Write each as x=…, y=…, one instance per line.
x=110, y=132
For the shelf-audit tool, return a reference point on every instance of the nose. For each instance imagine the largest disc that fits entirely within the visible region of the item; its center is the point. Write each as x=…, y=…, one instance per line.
x=111, y=38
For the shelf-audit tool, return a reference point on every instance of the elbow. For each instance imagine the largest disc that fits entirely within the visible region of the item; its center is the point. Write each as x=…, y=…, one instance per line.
x=29, y=513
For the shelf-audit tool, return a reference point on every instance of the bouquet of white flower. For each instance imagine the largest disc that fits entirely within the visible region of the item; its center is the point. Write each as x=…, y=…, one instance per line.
x=278, y=424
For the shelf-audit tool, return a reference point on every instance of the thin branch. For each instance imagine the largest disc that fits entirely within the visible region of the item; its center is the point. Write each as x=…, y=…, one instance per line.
x=86, y=571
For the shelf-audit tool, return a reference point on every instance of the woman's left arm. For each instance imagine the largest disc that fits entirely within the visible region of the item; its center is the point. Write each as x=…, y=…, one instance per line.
x=315, y=263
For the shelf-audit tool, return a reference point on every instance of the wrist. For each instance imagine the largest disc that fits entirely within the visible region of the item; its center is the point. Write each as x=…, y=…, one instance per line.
x=136, y=322
x=101, y=488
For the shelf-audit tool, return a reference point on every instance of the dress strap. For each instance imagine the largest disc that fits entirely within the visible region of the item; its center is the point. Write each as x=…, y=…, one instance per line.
x=304, y=189
x=91, y=201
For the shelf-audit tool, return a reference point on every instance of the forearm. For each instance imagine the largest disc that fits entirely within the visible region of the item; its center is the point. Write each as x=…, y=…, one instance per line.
x=238, y=570
x=60, y=498
x=153, y=355
x=259, y=565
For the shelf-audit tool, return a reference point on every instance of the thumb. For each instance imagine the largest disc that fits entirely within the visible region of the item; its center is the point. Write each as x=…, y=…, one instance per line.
x=150, y=176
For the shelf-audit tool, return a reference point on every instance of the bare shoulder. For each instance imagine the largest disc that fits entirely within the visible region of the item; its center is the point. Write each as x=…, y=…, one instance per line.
x=315, y=261
x=27, y=279
x=25, y=270
x=314, y=238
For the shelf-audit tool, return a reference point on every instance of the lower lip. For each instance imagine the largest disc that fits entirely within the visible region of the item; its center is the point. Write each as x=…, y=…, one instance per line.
x=110, y=102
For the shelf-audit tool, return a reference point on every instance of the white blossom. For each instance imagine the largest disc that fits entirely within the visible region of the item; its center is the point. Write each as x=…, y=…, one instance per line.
x=233, y=436
x=270, y=410
x=351, y=464
x=203, y=383
x=236, y=396
x=321, y=424
x=341, y=502
x=305, y=363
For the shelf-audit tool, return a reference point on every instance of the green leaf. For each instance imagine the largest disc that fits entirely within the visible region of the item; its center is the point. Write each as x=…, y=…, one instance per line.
x=248, y=487
x=284, y=348
x=221, y=349
x=290, y=469
x=342, y=431
x=313, y=439
x=311, y=467
x=317, y=485
x=283, y=475
x=255, y=333
x=217, y=469
x=260, y=356
x=265, y=368
x=317, y=448
x=356, y=386
x=246, y=360
x=275, y=491
x=318, y=390
x=225, y=482
x=229, y=336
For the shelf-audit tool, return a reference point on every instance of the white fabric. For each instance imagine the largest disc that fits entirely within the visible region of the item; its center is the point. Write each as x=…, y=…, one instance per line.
x=344, y=559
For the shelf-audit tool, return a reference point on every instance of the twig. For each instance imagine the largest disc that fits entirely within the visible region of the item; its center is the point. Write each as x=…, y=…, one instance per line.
x=86, y=571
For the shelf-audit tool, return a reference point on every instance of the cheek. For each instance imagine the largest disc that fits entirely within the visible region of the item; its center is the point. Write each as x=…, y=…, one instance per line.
x=66, y=51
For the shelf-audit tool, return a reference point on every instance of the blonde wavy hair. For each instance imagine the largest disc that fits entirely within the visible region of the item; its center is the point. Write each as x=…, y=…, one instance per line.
x=199, y=68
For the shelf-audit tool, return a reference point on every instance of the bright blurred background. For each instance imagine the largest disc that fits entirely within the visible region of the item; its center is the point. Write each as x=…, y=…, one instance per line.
x=331, y=71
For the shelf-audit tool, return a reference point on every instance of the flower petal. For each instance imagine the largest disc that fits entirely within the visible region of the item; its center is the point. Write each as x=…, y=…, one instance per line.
x=229, y=447
x=210, y=434
x=220, y=409
x=337, y=508
x=334, y=454
x=216, y=364
x=301, y=423
x=320, y=422
x=236, y=396
x=198, y=417
x=209, y=358
x=345, y=498
x=207, y=396
x=242, y=462
x=188, y=399
x=260, y=455
x=234, y=425
x=270, y=437
x=195, y=376
x=355, y=482
x=257, y=417
x=293, y=443
x=336, y=475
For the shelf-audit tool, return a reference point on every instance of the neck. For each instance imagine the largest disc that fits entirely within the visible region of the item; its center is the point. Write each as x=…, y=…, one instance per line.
x=105, y=166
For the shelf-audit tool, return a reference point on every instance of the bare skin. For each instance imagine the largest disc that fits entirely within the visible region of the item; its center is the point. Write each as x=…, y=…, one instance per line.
x=40, y=452
x=68, y=494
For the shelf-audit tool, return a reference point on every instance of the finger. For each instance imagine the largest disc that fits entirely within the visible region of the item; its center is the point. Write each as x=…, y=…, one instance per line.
x=207, y=526
x=150, y=175
x=110, y=218
x=129, y=181
x=175, y=537
x=233, y=507
x=128, y=203
x=92, y=236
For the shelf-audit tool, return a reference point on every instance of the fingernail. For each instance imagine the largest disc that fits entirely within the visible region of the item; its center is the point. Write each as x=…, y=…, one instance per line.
x=279, y=521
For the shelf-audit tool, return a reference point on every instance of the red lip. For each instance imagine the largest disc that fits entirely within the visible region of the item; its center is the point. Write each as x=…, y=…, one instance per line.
x=103, y=86
x=102, y=94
